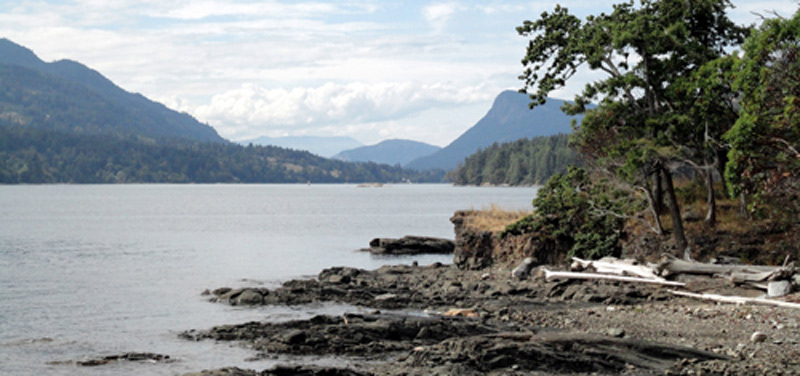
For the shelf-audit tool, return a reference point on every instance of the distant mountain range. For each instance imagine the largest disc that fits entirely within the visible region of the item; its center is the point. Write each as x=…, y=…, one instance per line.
x=509, y=119
x=40, y=100
x=62, y=122
x=391, y=152
x=322, y=146
x=68, y=96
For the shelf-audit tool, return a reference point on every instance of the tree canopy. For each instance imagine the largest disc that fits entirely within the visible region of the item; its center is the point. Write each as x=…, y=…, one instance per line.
x=764, y=158
x=650, y=54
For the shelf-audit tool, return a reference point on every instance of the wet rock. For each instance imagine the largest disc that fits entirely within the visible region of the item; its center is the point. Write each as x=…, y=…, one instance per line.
x=229, y=371
x=283, y=370
x=410, y=245
x=129, y=357
x=249, y=297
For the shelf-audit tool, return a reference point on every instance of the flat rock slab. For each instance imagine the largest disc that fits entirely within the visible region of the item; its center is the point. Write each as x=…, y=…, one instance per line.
x=126, y=357
x=350, y=334
x=410, y=245
x=556, y=352
x=283, y=370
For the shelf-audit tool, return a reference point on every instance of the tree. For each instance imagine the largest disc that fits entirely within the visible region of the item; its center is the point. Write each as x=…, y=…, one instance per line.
x=648, y=54
x=764, y=159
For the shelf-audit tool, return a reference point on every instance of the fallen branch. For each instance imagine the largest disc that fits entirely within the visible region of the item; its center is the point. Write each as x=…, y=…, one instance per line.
x=550, y=275
x=736, y=299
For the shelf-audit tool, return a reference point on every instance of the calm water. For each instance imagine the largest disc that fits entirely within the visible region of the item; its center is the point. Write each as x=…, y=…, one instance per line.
x=90, y=271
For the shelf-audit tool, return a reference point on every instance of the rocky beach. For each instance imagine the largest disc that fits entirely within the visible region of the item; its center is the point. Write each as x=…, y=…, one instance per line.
x=476, y=317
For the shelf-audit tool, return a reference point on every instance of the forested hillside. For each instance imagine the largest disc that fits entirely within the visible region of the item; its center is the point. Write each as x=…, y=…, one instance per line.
x=522, y=162
x=63, y=122
x=39, y=156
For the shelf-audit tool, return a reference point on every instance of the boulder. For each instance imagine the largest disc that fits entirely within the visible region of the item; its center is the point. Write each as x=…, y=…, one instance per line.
x=523, y=270
x=249, y=297
x=779, y=288
x=410, y=245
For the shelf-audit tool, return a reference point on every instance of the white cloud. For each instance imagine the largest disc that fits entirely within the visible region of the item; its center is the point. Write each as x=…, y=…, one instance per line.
x=437, y=15
x=394, y=69
x=250, y=110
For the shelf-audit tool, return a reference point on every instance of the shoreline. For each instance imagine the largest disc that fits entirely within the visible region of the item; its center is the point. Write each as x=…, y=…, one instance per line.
x=486, y=322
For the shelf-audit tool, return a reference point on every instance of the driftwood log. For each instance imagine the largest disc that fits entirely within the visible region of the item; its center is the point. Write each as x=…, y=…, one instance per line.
x=612, y=265
x=551, y=275
x=736, y=299
x=677, y=266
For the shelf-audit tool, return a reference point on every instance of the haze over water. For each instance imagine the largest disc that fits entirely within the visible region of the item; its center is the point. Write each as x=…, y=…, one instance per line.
x=89, y=271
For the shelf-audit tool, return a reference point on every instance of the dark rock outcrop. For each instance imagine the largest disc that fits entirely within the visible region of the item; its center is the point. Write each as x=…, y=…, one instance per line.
x=410, y=245
x=126, y=357
x=283, y=370
x=375, y=334
x=551, y=352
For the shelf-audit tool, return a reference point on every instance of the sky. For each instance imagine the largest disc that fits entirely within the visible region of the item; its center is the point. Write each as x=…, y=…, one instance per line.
x=367, y=69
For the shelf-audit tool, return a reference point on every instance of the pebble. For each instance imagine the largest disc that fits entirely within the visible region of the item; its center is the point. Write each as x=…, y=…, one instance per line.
x=616, y=332
x=758, y=337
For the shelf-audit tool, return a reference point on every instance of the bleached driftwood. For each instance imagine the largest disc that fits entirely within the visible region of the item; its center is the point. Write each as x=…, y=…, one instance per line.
x=779, y=273
x=550, y=275
x=678, y=266
x=612, y=265
x=736, y=299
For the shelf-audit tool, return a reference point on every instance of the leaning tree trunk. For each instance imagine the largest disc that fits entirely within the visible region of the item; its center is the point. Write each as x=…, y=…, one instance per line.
x=711, y=216
x=659, y=228
x=675, y=212
x=722, y=160
x=658, y=193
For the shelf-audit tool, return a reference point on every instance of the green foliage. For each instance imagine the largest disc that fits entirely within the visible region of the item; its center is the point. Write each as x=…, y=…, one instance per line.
x=646, y=114
x=764, y=160
x=522, y=162
x=569, y=213
x=37, y=156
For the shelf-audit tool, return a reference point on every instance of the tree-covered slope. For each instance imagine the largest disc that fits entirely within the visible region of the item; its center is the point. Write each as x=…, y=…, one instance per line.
x=522, y=162
x=70, y=97
x=30, y=155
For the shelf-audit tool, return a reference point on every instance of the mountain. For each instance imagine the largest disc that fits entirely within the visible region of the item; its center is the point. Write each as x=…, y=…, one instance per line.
x=322, y=146
x=509, y=119
x=67, y=96
x=390, y=152
x=62, y=122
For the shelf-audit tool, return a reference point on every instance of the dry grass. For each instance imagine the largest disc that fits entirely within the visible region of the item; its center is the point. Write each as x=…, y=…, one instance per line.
x=494, y=218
